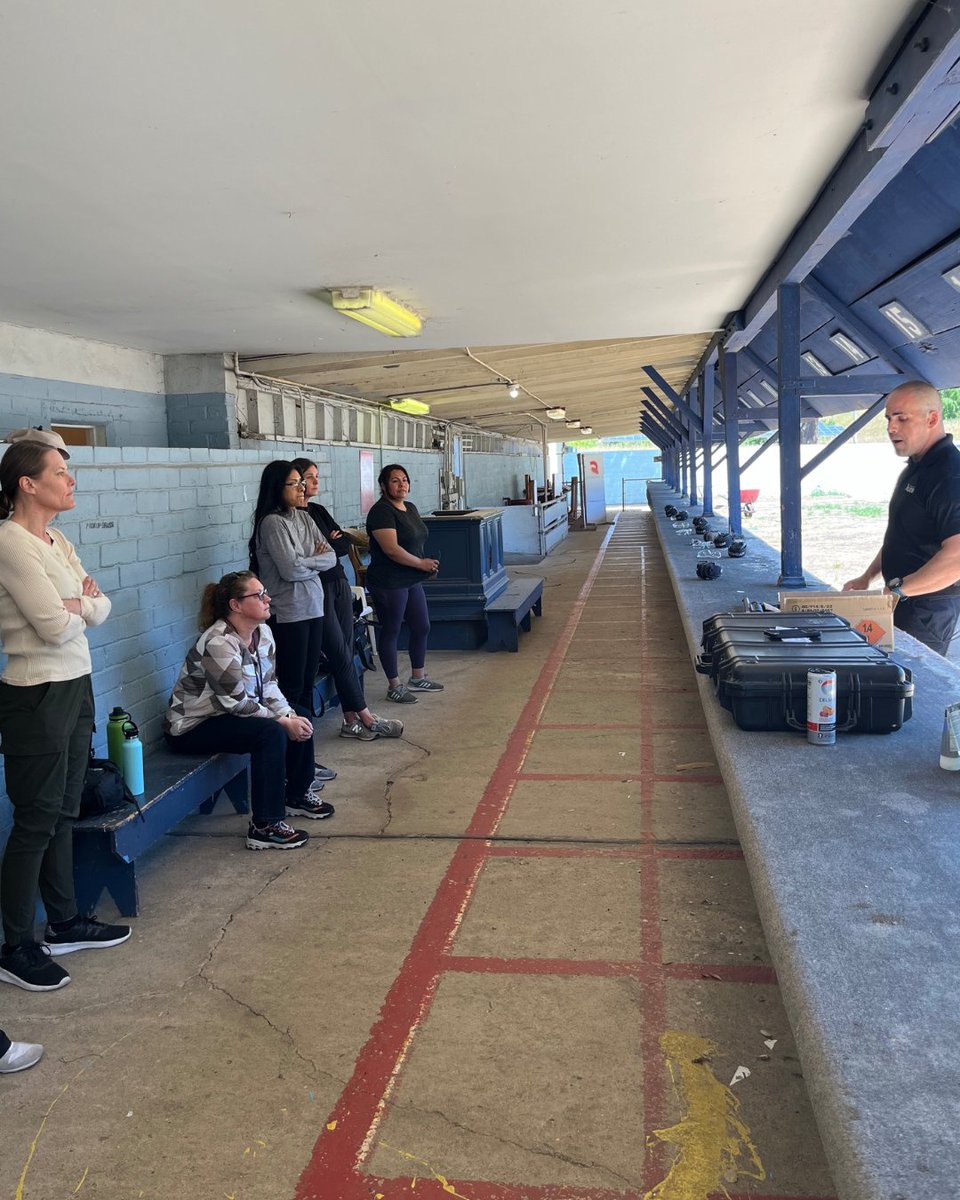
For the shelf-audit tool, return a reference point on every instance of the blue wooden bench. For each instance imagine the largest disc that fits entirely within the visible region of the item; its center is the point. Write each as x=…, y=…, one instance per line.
x=511, y=612
x=106, y=848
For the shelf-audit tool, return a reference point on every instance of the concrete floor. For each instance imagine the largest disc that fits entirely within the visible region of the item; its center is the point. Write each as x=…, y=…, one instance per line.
x=522, y=962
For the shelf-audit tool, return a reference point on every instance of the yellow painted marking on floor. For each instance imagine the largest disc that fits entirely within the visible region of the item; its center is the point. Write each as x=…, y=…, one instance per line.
x=712, y=1140
x=86, y=1172
x=53, y=1103
x=447, y=1186
x=259, y=1143
x=331, y=1125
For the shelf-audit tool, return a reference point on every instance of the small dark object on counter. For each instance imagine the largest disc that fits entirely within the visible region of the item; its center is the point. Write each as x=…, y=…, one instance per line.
x=738, y=548
x=709, y=570
x=721, y=540
x=670, y=509
x=700, y=524
x=708, y=535
x=681, y=515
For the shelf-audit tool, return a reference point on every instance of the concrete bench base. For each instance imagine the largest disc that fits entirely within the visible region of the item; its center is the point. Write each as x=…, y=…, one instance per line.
x=511, y=612
x=106, y=848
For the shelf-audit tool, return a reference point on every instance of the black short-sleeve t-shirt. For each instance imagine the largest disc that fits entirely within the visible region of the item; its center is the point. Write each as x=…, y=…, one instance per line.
x=924, y=511
x=383, y=572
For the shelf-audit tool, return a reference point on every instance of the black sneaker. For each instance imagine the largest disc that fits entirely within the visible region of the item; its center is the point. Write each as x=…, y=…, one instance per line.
x=278, y=836
x=84, y=932
x=30, y=966
x=309, y=805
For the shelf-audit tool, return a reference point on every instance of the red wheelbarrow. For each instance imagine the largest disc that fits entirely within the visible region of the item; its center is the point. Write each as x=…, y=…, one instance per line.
x=748, y=498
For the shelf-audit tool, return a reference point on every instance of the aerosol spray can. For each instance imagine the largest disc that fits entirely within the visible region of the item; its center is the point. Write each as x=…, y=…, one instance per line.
x=821, y=706
x=950, y=741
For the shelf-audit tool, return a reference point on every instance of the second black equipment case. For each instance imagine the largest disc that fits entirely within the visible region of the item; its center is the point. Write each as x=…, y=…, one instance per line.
x=759, y=663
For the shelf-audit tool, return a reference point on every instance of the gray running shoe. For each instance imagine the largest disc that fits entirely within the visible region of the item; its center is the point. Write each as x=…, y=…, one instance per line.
x=384, y=727
x=400, y=695
x=357, y=729
x=424, y=685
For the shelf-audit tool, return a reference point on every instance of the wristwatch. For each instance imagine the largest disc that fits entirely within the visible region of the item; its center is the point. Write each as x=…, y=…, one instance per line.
x=893, y=586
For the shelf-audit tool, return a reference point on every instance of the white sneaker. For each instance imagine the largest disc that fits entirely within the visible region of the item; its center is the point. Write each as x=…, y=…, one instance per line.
x=20, y=1056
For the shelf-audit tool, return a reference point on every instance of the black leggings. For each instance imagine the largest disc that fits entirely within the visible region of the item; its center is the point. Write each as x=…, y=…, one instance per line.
x=298, y=656
x=280, y=769
x=338, y=644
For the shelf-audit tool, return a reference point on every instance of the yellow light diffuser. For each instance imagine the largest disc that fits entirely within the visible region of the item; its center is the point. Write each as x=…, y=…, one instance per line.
x=408, y=404
x=376, y=309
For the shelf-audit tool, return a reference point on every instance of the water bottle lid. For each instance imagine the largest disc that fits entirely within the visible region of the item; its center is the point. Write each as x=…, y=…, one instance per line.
x=119, y=712
x=130, y=730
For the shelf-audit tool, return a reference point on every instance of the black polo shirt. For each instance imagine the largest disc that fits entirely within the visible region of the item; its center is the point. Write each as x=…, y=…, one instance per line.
x=924, y=511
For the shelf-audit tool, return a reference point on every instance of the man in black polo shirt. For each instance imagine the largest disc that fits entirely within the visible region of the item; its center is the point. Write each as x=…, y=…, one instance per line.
x=920, y=557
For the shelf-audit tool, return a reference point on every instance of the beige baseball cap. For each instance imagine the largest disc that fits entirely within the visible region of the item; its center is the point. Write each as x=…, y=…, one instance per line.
x=46, y=436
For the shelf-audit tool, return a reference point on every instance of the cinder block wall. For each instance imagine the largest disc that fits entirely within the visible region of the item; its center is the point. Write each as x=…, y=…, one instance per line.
x=490, y=477
x=130, y=417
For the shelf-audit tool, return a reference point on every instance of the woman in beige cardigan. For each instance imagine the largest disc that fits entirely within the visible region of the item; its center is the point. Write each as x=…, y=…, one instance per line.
x=47, y=601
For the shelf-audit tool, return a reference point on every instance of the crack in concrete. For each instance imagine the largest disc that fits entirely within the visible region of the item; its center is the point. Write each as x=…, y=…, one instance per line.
x=388, y=786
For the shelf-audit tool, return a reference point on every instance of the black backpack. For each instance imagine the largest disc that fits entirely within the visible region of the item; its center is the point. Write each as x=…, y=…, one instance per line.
x=104, y=789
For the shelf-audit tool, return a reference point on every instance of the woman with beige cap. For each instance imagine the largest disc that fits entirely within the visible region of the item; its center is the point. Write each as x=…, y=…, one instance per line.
x=47, y=601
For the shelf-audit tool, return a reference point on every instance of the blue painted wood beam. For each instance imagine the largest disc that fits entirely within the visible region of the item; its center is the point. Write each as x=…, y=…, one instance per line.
x=710, y=357
x=669, y=392
x=731, y=402
x=668, y=418
x=788, y=385
x=705, y=388
x=917, y=94
x=692, y=421
x=772, y=440
x=843, y=436
x=850, y=385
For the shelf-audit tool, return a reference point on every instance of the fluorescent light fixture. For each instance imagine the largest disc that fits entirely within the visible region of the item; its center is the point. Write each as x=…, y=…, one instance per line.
x=904, y=320
x=586, y=430
x=374, y=308
x=573, y=424
x=770, y=388
x=953, y=277
x=410, y=404
x=814, y=363
x=754, y=397
x=514, y=391
x=849, y=347
x=556, y=414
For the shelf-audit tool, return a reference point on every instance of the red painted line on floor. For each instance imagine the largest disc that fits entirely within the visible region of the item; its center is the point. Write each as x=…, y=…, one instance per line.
x=699, y=852
x=474, y=1189
x=572, y=851
x=721, y=972
x=620, y=777
x=339, y=1152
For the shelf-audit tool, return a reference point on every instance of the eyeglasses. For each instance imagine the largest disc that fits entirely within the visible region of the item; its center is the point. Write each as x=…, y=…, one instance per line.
x=299, y=484
x=259, y=595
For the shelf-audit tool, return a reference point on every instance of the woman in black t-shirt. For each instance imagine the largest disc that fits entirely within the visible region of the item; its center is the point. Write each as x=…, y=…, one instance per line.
x=394, y=577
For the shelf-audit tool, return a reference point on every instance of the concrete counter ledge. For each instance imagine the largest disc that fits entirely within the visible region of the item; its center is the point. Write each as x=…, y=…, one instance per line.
x=854, y=855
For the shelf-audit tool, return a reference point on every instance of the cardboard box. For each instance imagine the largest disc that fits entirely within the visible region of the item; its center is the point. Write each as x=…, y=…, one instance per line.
x=870, y=613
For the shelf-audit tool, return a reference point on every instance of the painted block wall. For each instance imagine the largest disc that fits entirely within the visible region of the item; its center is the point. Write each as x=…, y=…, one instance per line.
x=131, y=417
x=490, y=477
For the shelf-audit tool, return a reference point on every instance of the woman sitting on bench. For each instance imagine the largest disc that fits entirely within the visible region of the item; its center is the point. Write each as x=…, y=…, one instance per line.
x=227, y=700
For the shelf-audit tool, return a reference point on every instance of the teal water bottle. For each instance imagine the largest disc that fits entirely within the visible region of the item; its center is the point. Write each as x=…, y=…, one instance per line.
x=115, y=723
x=131, y=765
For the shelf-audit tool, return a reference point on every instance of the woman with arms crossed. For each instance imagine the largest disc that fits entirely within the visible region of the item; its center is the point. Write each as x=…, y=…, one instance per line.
x=358, y=721
x=395, y=579
x=288, y=554
x=47, y=601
